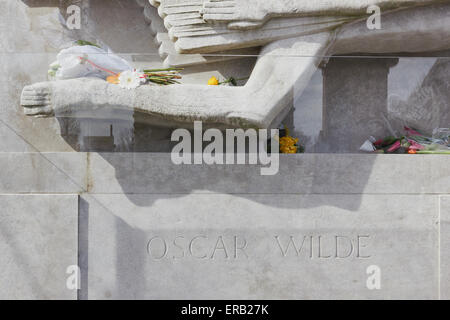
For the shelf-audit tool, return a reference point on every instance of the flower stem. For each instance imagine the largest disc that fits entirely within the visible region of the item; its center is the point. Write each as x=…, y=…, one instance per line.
x=232, y=81
x=434, y=152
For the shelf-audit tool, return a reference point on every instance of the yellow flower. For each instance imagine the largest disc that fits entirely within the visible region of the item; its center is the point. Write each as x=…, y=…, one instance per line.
x=288, y=141
x=213, y=81
x=288, y=144
x=292, y=149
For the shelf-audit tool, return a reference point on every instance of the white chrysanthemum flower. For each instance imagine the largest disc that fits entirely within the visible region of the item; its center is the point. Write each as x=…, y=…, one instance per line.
x=131, y=79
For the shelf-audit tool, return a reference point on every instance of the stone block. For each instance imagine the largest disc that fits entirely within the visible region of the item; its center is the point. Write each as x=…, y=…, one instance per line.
x=303, y=174
x=445, y=247
x=43, y=172
x=38, y=242
x=216, y=246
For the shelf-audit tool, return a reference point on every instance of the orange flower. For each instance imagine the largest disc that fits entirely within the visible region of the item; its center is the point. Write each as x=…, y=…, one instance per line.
x=412, y=151
x=113, y=79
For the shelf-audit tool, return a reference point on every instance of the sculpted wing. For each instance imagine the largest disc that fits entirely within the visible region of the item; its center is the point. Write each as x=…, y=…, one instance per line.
x=179, y=28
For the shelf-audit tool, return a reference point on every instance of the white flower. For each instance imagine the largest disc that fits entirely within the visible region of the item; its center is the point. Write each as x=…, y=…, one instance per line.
x=131, y=79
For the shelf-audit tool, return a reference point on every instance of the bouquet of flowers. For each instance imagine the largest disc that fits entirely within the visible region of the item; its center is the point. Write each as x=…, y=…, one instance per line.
x=413, y=142
x=288, y=144
x=86, y=59
x=131, y=79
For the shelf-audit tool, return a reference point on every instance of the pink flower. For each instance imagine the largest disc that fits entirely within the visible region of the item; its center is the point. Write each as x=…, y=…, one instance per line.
x=415, y=146
x=394, y=147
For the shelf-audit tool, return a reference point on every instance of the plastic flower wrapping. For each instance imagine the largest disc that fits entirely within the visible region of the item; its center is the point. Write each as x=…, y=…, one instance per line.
x=412, y=142
x=86, y=59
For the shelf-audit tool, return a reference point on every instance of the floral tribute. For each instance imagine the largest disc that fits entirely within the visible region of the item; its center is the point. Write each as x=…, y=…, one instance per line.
x=86, y=59
x=413, y=142
x=213, y=81
x=131, y=79
x=289, y=144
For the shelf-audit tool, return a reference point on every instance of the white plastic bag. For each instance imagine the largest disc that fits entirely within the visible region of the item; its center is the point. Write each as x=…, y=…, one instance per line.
x=87, y=61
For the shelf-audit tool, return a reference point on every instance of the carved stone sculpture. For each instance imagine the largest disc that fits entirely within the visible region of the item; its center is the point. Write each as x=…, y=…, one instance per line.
x=295, y=36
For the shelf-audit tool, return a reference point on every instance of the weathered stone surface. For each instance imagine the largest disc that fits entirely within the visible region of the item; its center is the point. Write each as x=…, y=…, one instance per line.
x=43, y=172
x=205, y=26
x=125, y=208
x=400, y=31
x=29, y=41
x=155, y=173
x=38, y=242
x=350, y=112
x=301, y=174
x=426, y=108
x=130, y=198
x=445, y=247
x=230, y=246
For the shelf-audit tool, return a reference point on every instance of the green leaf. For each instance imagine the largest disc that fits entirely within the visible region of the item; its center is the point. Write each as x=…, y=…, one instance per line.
x=86, y=43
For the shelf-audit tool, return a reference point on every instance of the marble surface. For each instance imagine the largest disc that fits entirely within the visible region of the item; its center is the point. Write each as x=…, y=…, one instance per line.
x=444, y=211
x=101, y=209
x=261, y=246
x=38, y=242
x=149, y=173
x=127, y=199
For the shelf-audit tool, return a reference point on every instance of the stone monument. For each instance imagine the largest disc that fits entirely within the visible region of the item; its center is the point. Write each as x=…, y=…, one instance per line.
x=139, y=226
x=303, y=32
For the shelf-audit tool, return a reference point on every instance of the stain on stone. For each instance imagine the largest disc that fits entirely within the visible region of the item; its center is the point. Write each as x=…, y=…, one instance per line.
x=89, y=180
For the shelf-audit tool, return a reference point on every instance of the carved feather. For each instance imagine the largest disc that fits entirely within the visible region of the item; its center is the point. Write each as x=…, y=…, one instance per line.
x=179, y=28
x=166, y=44
x=191, y=34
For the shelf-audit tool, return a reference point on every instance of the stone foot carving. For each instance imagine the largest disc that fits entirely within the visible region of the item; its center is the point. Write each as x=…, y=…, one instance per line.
x=36, y=100
x=156, y=105
x=264, y=98
x=283, y=69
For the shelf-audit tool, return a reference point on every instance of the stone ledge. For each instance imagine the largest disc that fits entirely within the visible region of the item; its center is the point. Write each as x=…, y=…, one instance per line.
x=298, y=174
x=43, y=173
x=154, y=173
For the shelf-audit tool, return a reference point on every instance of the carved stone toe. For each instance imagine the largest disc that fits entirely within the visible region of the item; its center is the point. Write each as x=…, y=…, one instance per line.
x=36, y=100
